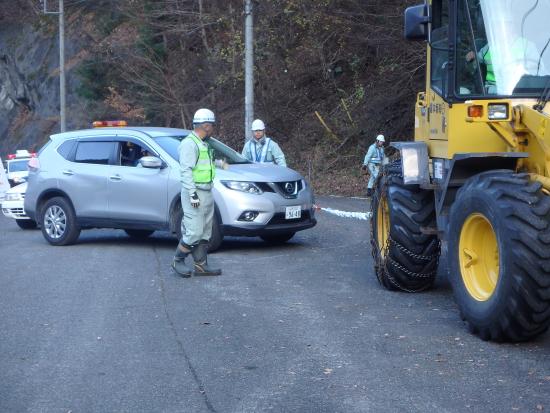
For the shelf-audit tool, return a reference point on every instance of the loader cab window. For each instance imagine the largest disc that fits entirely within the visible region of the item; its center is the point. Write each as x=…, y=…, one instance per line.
x=471, y=40
x=439, y=45
x=502, y=48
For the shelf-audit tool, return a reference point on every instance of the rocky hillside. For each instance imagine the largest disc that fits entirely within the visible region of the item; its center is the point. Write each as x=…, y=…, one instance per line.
x=330, y=74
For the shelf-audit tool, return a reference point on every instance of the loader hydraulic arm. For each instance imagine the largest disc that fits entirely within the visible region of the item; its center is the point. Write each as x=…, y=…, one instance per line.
x=536, y=124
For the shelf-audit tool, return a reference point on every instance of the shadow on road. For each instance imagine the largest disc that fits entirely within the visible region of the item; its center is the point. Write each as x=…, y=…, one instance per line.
x=164, y=240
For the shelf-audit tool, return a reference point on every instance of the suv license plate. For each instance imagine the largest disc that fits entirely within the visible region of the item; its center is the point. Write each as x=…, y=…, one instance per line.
x=293, y=212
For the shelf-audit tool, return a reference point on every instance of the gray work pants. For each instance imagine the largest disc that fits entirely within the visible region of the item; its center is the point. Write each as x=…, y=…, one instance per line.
x=196, y=224
x=374, y=169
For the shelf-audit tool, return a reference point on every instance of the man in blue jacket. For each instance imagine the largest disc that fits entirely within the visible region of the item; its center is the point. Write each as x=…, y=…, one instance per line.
x=261, y=149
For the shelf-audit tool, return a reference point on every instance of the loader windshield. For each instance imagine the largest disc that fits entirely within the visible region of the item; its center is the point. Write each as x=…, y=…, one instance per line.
x=502, y=47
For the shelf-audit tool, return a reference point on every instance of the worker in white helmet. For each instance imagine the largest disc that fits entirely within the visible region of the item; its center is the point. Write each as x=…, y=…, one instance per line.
x=197, y=176
x=373, y=161
x=262, y=149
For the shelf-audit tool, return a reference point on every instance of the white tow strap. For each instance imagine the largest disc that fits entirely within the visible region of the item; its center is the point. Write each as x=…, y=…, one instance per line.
x=365, y=216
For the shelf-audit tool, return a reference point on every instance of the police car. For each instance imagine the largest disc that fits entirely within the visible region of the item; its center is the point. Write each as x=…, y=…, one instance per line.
x=12, y=206
x=4, y=184
x=16, y=166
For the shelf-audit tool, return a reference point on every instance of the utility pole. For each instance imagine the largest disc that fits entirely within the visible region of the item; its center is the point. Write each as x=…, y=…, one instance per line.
x=62, y=93
x=248, y=69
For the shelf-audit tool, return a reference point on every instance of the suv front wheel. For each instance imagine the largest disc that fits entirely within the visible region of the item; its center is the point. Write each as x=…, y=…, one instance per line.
x=58, y=222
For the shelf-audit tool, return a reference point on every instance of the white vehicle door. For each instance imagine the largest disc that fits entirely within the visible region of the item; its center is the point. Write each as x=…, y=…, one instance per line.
x=4, y=184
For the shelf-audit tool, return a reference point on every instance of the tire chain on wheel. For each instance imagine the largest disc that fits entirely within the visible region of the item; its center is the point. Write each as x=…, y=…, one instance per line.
x=391, y=273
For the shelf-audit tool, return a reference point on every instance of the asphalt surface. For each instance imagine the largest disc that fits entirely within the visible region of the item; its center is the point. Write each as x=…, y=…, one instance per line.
x=105, y=326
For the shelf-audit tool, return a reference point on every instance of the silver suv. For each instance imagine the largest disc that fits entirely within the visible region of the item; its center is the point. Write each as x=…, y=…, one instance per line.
x=128, y=178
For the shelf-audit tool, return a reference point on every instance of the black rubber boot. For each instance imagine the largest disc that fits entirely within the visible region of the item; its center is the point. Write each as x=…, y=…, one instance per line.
x=201, y=260
x=178, y=264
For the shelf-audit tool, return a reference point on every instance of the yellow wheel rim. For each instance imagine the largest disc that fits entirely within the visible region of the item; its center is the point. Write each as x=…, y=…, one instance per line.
x=479, y=257
x=383, y=225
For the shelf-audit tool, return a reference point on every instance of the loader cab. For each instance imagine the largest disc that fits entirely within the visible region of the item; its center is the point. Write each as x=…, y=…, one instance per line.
x=483, y=49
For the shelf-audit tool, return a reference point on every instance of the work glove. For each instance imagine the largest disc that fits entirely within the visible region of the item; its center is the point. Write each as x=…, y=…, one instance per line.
x=194, y=198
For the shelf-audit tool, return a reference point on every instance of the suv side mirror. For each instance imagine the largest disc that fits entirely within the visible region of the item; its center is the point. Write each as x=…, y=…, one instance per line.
x=416, y=22
x=151, y=162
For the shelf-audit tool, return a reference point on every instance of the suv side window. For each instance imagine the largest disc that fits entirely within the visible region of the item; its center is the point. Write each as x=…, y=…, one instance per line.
x=129, y=153
x=94, y=152
x=66, y=148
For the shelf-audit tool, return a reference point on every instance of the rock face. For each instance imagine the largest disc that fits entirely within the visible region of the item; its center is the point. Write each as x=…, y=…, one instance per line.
x=29, y=84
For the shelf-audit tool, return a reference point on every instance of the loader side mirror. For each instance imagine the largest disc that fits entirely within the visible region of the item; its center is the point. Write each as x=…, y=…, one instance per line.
x=416, y=22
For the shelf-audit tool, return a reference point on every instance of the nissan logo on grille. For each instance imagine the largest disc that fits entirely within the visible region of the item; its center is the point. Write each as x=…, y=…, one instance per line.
x=289, y=187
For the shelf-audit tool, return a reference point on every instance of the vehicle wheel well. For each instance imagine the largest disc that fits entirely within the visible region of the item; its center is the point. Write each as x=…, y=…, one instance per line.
x=176, y=203
x=463, y=167
x=46, y=196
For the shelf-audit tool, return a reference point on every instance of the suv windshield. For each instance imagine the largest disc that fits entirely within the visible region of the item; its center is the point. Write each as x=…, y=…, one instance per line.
x=222, y=152
x=502, y=47
x=18, y=166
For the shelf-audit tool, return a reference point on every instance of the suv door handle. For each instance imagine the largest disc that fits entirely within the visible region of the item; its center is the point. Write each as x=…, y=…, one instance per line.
x=68, y=172
x=116, y=177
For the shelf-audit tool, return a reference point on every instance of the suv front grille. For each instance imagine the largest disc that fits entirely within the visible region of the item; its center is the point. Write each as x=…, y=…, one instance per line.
x=289, y=189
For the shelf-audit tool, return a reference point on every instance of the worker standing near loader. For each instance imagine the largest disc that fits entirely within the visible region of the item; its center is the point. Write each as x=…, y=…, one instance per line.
x=373, y=161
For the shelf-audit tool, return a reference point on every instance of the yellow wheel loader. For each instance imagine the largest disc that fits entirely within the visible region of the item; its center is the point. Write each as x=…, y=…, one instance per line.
x=474, y=185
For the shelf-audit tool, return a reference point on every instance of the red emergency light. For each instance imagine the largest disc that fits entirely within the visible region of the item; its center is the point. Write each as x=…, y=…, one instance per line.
x=109, y=123
x=22, y=154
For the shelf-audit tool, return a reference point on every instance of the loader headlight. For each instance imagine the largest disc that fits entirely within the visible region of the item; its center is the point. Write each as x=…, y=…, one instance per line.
x=497, y=111
x=414, y=162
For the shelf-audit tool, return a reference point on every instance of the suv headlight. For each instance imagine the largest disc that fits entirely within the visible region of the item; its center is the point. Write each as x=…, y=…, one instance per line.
x=248, y=187
x=13, y=196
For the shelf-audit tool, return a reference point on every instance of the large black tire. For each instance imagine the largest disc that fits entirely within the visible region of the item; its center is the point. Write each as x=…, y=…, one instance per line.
x=139, y=233
x=26, y=223
x=278, y=238
x=405, y=256
x=216, y=238
x=58, y=222
x=499, y=256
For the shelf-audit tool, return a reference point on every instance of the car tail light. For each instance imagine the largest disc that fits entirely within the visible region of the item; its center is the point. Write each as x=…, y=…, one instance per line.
x=11, y=156
x=33, y=165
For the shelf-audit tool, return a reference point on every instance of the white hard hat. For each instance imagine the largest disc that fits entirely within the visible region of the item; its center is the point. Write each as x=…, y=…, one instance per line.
x=203, y=116
x=258, y=125
x=380, y=138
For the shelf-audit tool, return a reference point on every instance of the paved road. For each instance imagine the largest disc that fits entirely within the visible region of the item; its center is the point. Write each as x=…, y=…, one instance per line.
x=105, y=326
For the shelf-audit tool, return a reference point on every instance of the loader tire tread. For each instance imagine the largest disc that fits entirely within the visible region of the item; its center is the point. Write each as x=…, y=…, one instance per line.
x=519, y=308
x=411, y=260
